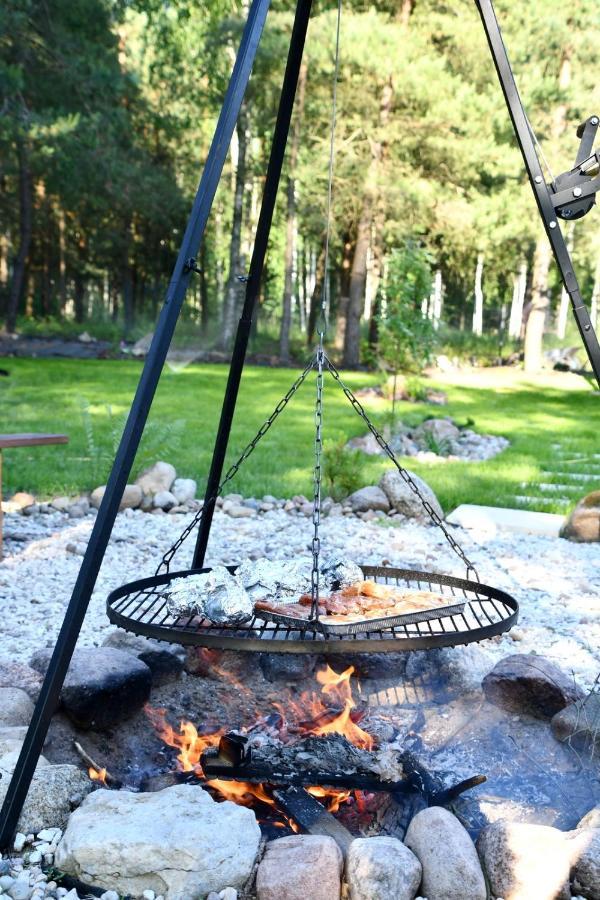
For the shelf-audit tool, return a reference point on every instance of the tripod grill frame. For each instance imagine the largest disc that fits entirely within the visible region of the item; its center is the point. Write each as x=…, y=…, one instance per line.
x=88, y=574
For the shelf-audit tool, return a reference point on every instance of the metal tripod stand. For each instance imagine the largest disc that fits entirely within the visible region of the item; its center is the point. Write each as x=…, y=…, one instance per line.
x=553, y=202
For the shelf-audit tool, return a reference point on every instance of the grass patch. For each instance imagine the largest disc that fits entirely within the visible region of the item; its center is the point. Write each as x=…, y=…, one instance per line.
x=89, y=400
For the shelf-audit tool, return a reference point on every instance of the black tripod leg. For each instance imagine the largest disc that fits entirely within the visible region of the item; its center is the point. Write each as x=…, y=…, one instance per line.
x=280, y=136
x=538, y=184
x=69, y=632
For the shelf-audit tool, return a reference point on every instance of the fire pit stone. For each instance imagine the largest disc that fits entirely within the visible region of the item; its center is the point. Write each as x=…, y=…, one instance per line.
x=177, y=842
x=15, y=707
x=55, y=791
x=300, y=867
x=103, y=685
x=523, y=861
x=528, y=683
x=451, y=868
x=379, y=868
x=164, y=660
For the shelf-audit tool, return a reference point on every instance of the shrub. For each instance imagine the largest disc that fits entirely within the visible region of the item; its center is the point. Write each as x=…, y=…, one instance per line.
x=342, y=470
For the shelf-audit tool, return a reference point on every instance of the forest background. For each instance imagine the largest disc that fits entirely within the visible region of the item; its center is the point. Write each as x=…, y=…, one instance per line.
x=107, y=108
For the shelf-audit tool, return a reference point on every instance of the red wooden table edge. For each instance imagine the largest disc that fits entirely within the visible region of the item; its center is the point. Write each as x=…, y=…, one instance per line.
x=31, y=440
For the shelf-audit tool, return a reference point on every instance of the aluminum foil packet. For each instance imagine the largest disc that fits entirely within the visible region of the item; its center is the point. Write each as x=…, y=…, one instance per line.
x=338, y=572
x=279, y=581
x=217, y=595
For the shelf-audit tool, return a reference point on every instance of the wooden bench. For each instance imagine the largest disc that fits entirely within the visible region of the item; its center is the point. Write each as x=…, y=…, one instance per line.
x=24, y=440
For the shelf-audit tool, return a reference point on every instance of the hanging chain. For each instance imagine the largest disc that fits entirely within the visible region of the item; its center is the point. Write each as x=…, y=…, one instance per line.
x=325, y=297
x=406, y=476
x=165, y=563
x=322, y=328
x=316, y=516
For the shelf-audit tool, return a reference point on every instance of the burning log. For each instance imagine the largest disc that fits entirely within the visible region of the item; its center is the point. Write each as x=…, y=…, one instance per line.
x=329, y=761
x=312, y=816
x=96, y=772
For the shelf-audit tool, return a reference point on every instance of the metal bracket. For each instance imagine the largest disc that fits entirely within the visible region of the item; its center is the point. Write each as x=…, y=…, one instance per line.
x=573, y=193
x=191, y=265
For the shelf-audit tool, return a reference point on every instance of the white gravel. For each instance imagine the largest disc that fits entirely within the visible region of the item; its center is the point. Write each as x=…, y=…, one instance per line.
x=556, y=582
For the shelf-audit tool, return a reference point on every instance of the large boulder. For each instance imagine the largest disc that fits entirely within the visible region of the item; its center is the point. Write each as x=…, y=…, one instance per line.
x=367, y=498
x=156, y=478
x=177, y=842
x=164, y=660
x=404, y=500
x=591, y=819
x=16, y=707
x=451, y=868
x=584, y=851
x=184, y=489
x=54, y=792
x=131, y=499
x=382, y=868
x=527, y=683
x=524, y=861
x=438, y=430
x=103, y=686
x=579, y=723
x=300, y=867
x=18, y=674
x=583, y=525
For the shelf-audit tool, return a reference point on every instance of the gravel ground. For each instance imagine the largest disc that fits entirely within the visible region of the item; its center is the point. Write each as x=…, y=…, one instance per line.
x=556, y=582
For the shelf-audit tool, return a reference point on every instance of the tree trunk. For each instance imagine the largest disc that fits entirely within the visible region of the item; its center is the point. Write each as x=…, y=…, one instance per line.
x=478, y=311
x=315, y=299
x=437, y=299
x=290, y=230
x=358, y=273
x=540, y=300
x=232, y=288
x=594, y=302
x=515, y=322
x=405, y=11
x=25, y=231
x=344, y=293
x=540, y=304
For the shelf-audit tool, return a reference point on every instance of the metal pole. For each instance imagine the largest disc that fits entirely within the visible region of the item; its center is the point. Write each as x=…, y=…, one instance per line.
x=537, y=181
x=76, y=610
x=280, y=136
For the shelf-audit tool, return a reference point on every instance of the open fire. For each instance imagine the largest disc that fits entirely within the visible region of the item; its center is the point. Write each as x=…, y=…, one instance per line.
x=332, y=711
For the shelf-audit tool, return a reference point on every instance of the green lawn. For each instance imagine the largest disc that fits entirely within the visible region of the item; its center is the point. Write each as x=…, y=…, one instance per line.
x=88, y=400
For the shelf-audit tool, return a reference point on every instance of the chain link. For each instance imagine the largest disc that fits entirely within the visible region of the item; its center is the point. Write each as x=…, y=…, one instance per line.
x=406, y=476
x=316, y=516
x=165, y=562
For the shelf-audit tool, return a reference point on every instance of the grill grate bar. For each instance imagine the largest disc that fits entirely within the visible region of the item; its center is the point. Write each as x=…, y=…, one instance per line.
x=141, y=607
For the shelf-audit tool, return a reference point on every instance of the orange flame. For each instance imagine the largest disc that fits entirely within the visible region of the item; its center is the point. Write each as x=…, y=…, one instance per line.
x=97, y=775
x=310, y=716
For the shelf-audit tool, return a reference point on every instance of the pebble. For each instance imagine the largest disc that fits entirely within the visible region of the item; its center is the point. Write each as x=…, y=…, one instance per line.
x=20, y=889
x=110, y=895
x=49, y=834
x=149, y=895
x=19, y=842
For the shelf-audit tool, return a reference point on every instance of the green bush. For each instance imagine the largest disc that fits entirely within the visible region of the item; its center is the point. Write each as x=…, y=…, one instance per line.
x=406, y=338
x=342, y=469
